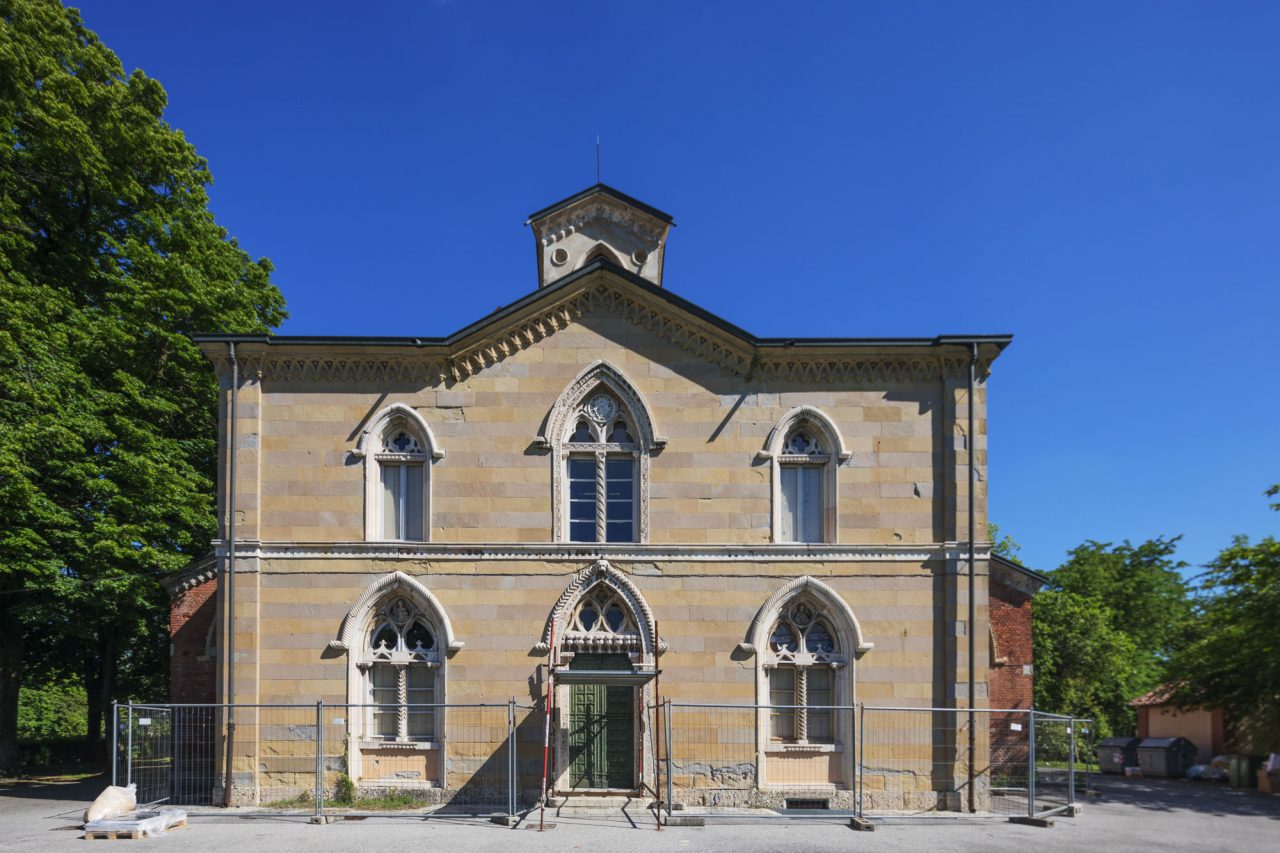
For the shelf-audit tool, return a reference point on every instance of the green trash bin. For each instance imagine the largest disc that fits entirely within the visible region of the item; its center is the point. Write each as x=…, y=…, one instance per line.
x=1242, y=770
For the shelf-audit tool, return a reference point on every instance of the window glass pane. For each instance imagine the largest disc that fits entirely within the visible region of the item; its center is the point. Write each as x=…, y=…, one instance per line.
x=782, y=692
x=421, y=723
x=820, y=693
x=418, y=635
x=620, y=531
x=412, y=503
x=790, y=497
x=582, y=499
x=383, y=679
x=620, y=499
x=390, y=500
x=811, y=503
x=420, y=678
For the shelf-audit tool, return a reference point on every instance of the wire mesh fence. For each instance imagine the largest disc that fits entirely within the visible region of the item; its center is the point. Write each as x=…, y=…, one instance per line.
x=327, y=758
x=487, y=759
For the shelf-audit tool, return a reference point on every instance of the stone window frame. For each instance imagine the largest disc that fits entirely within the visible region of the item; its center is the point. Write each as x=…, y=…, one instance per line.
x=355, y=633
x=369, y=447
x=569, y=407
x=850, y=643
x=813, y=420
x=636, y=639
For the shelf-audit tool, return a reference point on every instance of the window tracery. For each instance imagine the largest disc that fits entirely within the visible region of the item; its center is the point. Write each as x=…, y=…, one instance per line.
x=601, y=468
x=602, y=621
x=401, y=666
x=801, y=661
x=601, y=436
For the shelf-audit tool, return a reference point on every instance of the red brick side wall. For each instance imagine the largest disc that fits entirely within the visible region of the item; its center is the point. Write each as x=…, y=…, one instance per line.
x=1011, y=621
x=191, y=614
x=1009, y=685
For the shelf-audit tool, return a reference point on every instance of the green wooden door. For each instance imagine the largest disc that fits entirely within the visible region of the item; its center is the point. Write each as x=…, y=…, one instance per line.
x=601, y=729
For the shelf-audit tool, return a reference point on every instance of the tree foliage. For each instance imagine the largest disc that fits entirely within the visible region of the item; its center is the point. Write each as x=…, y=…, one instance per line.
x=1106, y=627
x=109, y=259
x=1232, y=661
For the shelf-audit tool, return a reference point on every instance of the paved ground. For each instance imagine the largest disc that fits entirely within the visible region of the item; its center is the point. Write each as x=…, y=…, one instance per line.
x=1128, y=814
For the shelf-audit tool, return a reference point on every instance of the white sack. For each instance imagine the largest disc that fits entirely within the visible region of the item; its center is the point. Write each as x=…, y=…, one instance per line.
x=112, y=802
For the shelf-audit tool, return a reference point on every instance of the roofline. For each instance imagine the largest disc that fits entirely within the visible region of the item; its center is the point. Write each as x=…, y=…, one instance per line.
x=1042, y=579
x=607, y=190
x=597, y=265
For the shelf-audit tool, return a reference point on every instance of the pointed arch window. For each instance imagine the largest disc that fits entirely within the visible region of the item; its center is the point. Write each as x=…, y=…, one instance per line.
x=602, y=437
x=402, y=665
x=800, y=665
x=806, y=449
x=398, y=449
x=800, y=471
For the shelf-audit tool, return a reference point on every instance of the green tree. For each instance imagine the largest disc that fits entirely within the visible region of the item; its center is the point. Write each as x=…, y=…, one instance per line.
x=1002, y=545
x=1084, y=666
x=1107, y=626
x=1231, y=661
x=109, y=259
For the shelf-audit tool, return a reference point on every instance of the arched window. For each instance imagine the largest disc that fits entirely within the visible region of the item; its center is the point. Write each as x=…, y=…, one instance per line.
x=806, y=642
x=398, y=449
x=800, y=663
x=602, y=437
x=402, y=663
x=805, y=448
x=800, y=471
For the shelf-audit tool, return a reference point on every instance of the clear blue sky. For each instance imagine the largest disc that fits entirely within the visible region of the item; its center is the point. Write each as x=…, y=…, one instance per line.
x=1100, y=179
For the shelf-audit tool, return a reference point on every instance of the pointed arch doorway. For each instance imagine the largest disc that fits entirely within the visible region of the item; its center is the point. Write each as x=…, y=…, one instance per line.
x=604, y=662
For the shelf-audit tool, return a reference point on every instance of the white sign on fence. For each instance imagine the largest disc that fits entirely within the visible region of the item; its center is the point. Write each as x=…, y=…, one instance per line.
x=144, y=721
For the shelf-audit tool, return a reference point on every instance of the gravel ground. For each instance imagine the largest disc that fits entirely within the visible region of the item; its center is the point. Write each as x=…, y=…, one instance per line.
x=1128, y=814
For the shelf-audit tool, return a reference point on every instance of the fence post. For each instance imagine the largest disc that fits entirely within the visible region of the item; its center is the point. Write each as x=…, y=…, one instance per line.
x=319, y=782
x=666, y=715
x=1071, y=763
x=128, y=749
x=862, y=754
x=511, y=762
x=115, y=740
x=1031, y=765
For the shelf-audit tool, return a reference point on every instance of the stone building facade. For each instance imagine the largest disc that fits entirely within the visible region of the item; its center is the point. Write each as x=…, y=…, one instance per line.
x=608, y=478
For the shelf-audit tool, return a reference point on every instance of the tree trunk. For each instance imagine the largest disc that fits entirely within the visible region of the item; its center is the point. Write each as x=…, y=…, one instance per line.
x=99, y=688
x=10, y=678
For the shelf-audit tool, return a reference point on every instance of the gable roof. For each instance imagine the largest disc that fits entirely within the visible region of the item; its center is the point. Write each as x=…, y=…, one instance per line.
x=603, y=284
x=606, y=190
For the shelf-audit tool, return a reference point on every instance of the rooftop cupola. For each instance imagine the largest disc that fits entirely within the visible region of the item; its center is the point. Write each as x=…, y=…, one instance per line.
x=600, y=223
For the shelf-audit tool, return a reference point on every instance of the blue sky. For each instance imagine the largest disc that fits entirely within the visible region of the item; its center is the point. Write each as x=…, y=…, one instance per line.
x=1099, y=179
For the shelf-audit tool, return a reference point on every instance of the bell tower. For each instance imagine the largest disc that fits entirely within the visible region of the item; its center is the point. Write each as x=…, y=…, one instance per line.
x=600, y=223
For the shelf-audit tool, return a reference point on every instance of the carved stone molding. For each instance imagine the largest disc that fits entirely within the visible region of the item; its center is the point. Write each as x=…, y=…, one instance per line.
x=948, y=556
x=602, y=572
x=758, y=633
x=560, y=225
x=358, y=615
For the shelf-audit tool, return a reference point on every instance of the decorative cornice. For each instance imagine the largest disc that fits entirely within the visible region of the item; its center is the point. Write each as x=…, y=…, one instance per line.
x=196, y=573
x=952, y=552
x=562, y=224
x=605, y=290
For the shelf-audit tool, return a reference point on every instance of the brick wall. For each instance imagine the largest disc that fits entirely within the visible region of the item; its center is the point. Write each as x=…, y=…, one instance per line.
x=191, y=615
x=1009, y=685
x=1011, y=622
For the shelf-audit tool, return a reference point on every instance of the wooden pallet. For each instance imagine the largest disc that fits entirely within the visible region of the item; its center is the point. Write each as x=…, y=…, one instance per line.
x=114, y=834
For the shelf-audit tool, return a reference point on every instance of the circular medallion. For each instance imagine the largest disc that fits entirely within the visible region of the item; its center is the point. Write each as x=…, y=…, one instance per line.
x=601, y=408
